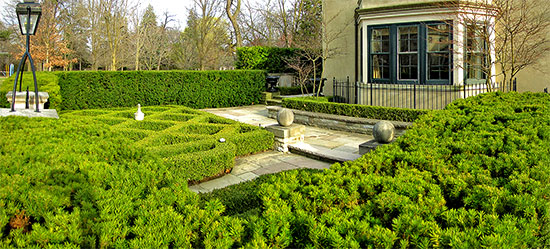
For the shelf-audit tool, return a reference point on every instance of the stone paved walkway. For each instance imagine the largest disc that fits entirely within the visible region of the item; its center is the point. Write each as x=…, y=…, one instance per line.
x=250, y=167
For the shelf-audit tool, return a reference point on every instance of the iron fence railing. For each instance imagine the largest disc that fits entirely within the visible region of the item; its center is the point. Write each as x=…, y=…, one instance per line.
x=412, y=96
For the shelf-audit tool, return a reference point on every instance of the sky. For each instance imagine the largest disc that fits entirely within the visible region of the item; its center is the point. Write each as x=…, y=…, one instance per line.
x=178, y=8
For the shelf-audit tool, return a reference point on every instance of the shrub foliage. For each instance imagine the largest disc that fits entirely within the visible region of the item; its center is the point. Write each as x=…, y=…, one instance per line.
x=204, y=89
x=271, y=59
x=322, y=105
x=471, y=176
x=185, y=139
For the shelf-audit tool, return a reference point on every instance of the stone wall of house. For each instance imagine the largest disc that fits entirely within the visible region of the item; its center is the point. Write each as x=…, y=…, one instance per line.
x=368, y=4
x=339, y=15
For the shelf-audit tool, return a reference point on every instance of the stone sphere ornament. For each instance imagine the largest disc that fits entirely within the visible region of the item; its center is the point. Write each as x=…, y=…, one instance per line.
x=383, y=132
x=285, y=117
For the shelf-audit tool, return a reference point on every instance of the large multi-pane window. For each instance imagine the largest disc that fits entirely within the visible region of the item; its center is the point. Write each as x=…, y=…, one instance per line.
x=411, y=52
x=476, y=64
x=408, y=52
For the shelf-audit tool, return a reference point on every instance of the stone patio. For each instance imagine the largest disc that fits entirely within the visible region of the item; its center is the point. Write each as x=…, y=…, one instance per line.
x=250, y=167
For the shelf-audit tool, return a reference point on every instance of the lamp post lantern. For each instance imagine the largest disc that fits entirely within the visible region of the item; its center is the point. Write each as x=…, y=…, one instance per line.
x=28, y=15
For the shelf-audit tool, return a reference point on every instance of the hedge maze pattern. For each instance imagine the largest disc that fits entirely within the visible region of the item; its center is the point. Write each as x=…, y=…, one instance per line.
x=186, y=139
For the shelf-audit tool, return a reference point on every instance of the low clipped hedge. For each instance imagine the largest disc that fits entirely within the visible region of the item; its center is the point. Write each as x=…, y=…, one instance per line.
x=322, y=105
x=46, y=81
x=77, y=183
x=196, y=89
x=187, y=140
x=294, y=90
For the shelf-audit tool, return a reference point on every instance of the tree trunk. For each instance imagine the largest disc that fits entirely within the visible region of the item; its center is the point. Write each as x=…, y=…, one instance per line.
x=233, y=19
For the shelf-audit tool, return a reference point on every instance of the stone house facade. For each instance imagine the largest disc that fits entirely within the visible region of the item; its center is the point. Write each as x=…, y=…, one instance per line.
x=406, y=42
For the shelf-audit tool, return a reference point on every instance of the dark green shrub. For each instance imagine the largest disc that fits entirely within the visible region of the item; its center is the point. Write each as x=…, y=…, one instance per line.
x=196, y=89
x=271, y=59
x=47, y=82
x=473, y=175
x=294, y=90
x=75, y=183
x=322, y=105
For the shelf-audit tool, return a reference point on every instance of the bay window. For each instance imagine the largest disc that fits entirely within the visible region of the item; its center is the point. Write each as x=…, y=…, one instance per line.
x=410, y=53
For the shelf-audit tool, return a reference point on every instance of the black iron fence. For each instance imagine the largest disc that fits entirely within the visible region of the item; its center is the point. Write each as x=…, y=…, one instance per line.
x=413, y=96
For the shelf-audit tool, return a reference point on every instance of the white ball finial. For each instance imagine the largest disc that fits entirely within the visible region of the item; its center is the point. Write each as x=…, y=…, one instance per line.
x=139, y=115
x=383, y=132
x=285, y=117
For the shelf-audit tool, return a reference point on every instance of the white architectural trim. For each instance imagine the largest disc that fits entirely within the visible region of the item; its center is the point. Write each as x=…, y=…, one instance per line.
x=427, y=14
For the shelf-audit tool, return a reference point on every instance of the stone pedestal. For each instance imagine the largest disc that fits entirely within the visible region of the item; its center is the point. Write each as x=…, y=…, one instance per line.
x=20, y=99
x=46, y=113
x=368, y=146
x=285, y=135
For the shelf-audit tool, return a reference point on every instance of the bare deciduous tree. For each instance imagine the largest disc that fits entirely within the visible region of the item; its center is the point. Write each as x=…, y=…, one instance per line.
x=114, y=21
x=506, y=34
x=208, y=34
x=232, y=9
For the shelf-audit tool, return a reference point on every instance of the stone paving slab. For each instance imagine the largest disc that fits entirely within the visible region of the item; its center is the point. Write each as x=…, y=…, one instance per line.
x=337, y=145
x=30, y=113
x=259, y=164
x=322, y=152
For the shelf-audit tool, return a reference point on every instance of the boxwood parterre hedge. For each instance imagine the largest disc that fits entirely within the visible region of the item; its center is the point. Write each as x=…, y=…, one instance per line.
x=76, y=183
x=186, y=139
x=322, y=105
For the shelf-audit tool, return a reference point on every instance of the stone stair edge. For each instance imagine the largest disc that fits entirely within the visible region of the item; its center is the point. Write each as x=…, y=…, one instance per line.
x=397, y=124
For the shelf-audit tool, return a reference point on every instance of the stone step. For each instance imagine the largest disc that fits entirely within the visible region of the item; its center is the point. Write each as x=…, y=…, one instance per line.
x=274, y=102
x=322, y=153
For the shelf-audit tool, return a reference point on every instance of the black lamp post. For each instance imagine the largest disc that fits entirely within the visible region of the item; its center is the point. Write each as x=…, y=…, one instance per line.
x=28, y=15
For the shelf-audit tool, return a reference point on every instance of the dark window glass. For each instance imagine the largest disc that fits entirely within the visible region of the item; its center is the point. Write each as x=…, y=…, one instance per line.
x=476, y=56
x=380, y=66
x=380, y=53
x=408, y=52
x=438, y=51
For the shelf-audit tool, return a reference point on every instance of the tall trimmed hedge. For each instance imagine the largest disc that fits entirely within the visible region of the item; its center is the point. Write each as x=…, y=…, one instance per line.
x=271, y=59
x=322, y=105
x=196, y=89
